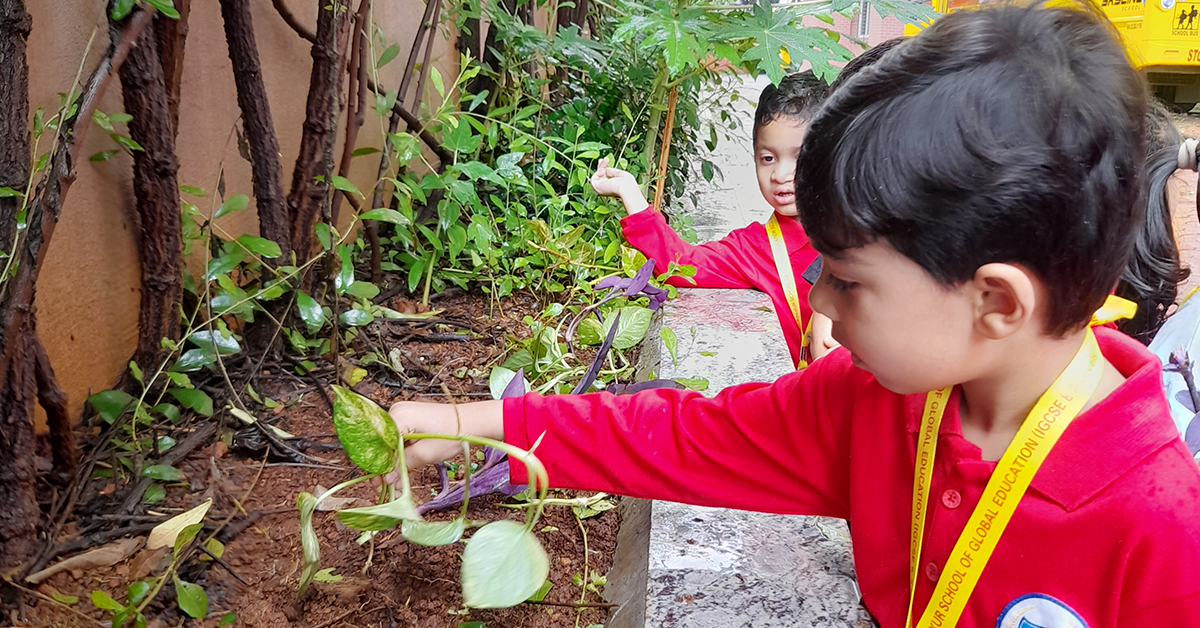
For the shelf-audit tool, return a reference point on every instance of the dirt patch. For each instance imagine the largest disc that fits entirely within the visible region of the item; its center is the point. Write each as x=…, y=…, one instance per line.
x=404, y=584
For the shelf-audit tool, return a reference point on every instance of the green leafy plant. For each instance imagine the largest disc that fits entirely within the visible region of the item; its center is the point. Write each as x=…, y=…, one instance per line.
x=503, y=562
x=175, y=533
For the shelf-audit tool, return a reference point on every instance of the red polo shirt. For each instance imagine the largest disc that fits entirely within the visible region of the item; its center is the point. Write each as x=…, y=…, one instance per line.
x=1110, y=528
x=741, y=259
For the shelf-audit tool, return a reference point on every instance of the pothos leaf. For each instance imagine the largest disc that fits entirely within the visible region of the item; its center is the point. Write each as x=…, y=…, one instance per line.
x=503, y=565
x=365, y=430
x=382, y=516
x=307, y=504
x=432, y=533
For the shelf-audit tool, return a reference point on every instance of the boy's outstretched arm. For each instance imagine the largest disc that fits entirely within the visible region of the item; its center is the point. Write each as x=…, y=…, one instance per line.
x=768, y=447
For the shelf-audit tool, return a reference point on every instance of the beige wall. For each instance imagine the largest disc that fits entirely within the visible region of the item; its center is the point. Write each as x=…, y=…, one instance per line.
x=87, y=295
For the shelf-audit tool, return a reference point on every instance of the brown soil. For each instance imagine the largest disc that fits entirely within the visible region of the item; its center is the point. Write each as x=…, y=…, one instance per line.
x=404, y=585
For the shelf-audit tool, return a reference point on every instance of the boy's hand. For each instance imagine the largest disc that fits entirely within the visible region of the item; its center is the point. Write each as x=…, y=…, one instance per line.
x=616, y=182
x=822, y=341
x=484, y=419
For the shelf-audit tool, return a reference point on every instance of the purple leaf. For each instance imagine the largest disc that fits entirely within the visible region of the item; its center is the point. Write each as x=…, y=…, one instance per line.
x=491, y=457
x=493, y=480
x=629, y=389
x=597, y=362
x=611, y=281
x=443, y=477
x=1192, y=436
x=641, y=279
x=516, y=386
x=1185, y=399
x=658, y=296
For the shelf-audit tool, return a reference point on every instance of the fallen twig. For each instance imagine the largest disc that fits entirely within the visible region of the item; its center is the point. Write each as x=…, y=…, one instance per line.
x=217, y=559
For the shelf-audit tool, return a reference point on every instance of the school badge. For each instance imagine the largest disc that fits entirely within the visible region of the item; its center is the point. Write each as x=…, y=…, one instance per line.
x=1037, y=610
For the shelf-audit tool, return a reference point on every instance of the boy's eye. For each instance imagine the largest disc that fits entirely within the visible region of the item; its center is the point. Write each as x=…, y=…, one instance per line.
x=839, y=285
x=766, y=159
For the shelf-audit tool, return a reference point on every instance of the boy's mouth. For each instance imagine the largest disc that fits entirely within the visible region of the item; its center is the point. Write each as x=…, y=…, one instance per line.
x=784, y=197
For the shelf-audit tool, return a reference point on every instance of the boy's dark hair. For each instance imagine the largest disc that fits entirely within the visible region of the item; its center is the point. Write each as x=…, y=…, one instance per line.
x=868, y=57
x=798, y=96
x=1154, y=272
x=1011, y=134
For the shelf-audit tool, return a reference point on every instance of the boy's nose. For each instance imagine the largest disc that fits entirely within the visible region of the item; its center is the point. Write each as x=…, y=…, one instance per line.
x=819, y=301
x=783, y=174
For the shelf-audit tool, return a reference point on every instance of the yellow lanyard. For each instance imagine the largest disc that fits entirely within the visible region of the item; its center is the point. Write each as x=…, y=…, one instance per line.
x=1114, y=309
x=783, y=264
x=1038, y=434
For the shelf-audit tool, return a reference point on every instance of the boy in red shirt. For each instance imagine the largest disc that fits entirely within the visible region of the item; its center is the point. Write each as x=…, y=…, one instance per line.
x=975, y=198
x=743, y=259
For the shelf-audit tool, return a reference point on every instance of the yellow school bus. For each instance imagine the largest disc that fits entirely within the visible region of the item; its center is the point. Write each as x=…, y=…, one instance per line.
x=1162, y=38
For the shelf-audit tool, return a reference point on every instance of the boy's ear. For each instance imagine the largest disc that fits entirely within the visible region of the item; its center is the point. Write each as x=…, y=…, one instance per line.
x=1004, y=299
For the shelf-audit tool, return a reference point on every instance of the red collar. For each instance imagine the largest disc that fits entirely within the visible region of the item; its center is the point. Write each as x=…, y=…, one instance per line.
x=1105, y=442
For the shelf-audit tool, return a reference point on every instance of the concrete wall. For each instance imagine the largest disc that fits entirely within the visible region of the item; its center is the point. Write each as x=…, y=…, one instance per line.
x=88, y=291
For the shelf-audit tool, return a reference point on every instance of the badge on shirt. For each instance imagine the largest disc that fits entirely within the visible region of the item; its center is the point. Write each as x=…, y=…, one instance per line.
x=1038, y=610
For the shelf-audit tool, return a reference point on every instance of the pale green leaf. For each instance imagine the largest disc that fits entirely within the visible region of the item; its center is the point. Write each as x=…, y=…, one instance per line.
x=670, y=342
x=432, y=533
x=382, y=516
x=69, y=600
x=165, y=533
x=356, y=317
x=503, y=565
x=307, y=504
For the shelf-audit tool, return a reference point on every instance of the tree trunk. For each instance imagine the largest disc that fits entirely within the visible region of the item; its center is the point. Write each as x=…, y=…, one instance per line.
x=19, y=512
x=314, y=164
x=156, y=189
x=54, y=401
x=172, y=34
x=18, y=497
x=14, y=114
x=266, y=171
